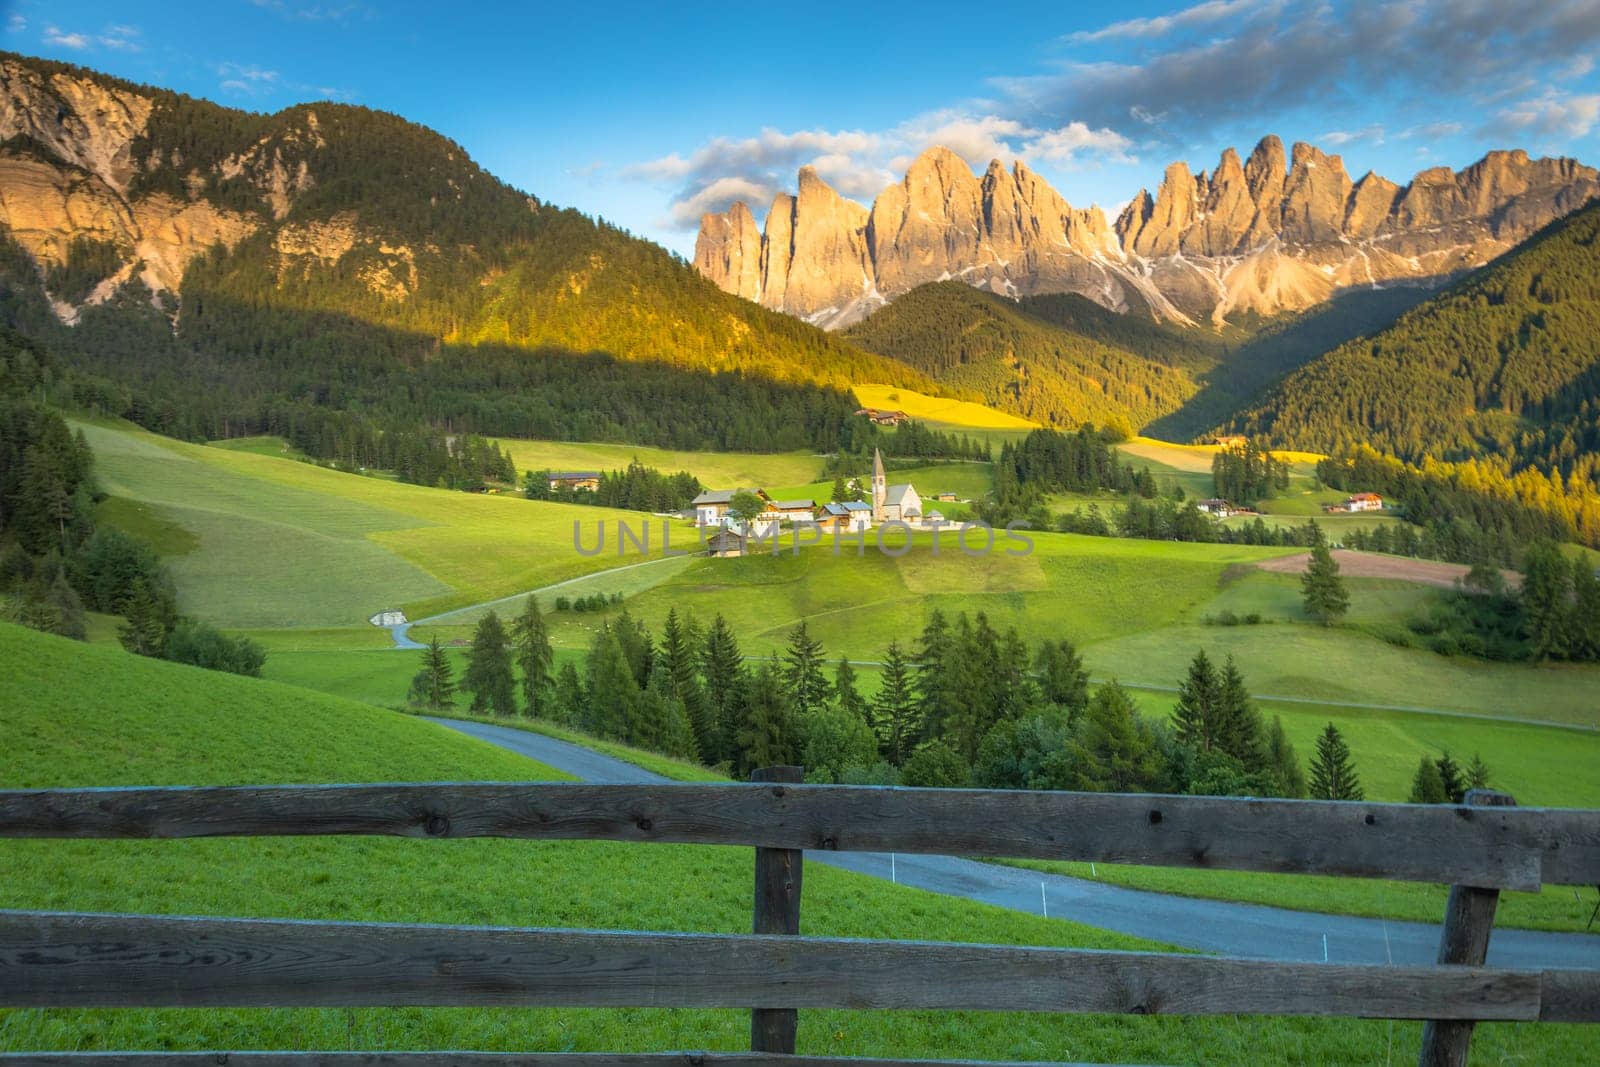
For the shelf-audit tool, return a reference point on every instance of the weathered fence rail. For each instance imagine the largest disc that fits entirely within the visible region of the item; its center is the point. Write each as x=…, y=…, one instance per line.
x=1500, y=847
x=59, y=960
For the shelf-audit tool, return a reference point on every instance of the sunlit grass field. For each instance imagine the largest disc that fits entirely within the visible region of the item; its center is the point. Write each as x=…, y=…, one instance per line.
x=259, y=542
x=182, y=725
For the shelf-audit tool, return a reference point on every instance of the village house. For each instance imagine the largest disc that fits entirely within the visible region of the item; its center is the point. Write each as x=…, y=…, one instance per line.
x=1215, y=506
x=883, y=417
x=946, y=497
x=1232, y=440
x=791, y=510
x=1364, y=502
x=589, y=480
x=851, y=516
x=711, y=506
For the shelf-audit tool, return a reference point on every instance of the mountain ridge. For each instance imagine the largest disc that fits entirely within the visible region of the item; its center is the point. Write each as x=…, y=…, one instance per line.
x=122, y=190
x=1275, y=232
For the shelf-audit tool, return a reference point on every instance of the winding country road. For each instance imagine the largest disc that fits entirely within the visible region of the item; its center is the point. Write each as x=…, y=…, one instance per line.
x=1205, y=925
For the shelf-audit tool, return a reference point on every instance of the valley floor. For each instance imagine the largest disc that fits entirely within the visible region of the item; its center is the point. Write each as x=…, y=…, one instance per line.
x=298, y=556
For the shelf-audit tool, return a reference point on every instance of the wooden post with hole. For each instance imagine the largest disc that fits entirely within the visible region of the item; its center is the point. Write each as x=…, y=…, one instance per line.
x=777, y=911
x=1464, y=940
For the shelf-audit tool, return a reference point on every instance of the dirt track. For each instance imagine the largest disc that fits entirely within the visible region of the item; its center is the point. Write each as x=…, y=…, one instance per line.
x=1354, y=564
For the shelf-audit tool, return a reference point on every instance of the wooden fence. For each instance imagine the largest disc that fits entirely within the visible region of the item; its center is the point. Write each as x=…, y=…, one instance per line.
x=1481, y=847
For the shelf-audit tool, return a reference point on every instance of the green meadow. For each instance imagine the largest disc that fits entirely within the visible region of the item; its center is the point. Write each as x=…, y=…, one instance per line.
x=174, y=724
x=258, y=542
x=299, y=556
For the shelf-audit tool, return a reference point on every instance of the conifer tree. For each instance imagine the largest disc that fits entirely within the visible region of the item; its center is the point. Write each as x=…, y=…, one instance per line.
x=1238, y=723
x=571, y=702
x=434, y=685
x=1321, y=589
x=1114, y=752
x=1333, y=775
x=895, y=708
x=766, y=735
x=1450, y=776
x=673, y=733
x=935, y=683
x=803, y=680
x=1196, y=713
x=1426, y=785
x=614, y=695
x=1282, y=763
x=846, y=697
x=722, y=669
x=534, y=657
x=488, y=676
x=142, y=630
x=637, y=648
x=841, y=491
x=1546, y=604
x=65, y=608
x=676, y=659
x=1063, y=679
x=1477, y=773
x=1020, y=694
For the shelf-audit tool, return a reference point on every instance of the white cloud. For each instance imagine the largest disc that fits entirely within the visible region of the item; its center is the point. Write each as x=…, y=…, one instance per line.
x=1366, y=135
x=121, y=39
x=1064, y=145
x=717, y=196
x=1430, y=131
x=16, y=24
x=1162, y=25
x=1552, y=115
x=246, y=73
x=54, y=35
x=976, y=139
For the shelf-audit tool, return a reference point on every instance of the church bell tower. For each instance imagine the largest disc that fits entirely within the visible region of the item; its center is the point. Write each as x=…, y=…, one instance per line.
x=880, y=487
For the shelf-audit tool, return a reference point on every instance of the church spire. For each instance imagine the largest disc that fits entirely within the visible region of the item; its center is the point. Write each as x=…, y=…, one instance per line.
x=880, y=487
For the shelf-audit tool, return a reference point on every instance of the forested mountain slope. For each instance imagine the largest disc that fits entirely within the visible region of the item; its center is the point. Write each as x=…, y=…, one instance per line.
x=1061, y=357
x=343, y=256
x=1503, y=367
x=987, y=346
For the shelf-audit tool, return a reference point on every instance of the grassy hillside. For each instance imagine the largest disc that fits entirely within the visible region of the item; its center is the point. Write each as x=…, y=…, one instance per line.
x=982, y=344
x=1502, y=365
x=938, y=410
x=614, y=886
x=79, y=714
x=261, y=542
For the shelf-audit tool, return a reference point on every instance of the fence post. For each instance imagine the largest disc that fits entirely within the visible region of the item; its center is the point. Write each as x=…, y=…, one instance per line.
x=777, y=911
x=1468, y=921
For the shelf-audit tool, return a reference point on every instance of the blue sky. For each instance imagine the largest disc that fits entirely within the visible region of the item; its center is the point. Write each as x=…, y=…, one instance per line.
x=648, y=115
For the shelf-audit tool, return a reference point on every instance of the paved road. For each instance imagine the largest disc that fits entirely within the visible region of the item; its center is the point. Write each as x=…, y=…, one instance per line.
x=1206, y=925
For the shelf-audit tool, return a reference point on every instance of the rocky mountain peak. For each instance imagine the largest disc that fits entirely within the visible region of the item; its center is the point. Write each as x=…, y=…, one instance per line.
x=1277, y=230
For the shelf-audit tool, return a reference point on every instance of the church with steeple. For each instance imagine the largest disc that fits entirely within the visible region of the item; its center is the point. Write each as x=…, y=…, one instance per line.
x=893, y=503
